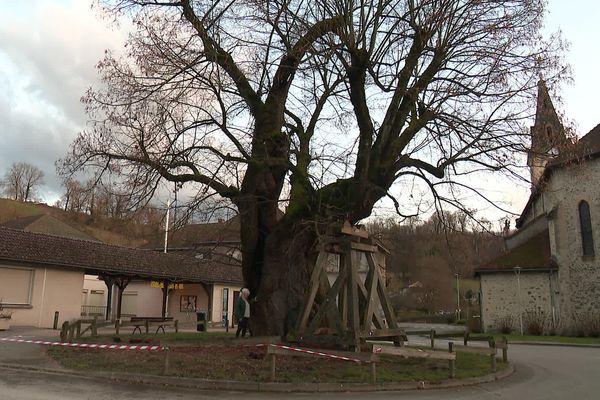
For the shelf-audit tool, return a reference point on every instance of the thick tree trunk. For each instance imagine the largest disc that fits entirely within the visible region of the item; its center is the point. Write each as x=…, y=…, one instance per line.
x=289, y=254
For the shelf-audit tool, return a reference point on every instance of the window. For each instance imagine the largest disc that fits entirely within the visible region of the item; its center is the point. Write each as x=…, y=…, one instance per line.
x=16, y=286
x=585, y=222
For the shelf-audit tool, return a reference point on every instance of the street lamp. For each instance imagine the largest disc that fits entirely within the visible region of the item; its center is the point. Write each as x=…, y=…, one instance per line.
x=518, y=273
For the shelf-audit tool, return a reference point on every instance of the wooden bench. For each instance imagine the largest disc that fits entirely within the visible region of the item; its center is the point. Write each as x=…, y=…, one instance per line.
x=138, y=322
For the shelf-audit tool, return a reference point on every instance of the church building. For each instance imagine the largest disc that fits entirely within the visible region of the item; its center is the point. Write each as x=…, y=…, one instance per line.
x=549, y=272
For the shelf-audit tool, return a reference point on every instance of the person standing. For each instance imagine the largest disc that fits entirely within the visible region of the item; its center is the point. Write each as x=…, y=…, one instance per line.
x=241, y=312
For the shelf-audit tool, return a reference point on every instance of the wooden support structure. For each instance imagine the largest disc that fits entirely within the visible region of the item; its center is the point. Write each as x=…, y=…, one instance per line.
x=352, y=305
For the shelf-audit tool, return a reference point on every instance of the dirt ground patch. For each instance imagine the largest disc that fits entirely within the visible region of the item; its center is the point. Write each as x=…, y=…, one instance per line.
x=249, y=363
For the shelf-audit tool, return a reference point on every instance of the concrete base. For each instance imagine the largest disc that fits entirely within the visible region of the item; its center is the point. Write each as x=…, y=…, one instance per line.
x=4, y=324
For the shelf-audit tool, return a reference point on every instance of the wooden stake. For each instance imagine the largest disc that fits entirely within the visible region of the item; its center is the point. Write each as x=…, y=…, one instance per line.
x=451, y=363
x=167, y=361
x=373, y=373
x=272, y=365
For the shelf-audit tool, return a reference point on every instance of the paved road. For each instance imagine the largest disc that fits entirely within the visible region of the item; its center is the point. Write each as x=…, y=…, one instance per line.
x=543, y=372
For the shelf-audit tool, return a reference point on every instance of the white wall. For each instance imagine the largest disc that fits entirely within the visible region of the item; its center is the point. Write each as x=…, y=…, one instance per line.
x=53, y=289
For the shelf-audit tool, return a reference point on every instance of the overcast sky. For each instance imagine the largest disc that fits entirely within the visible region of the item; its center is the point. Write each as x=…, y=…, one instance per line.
x=48, y=49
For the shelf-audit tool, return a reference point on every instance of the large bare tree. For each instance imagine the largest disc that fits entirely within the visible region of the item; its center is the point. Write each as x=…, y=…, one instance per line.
x=22, y=180
x=316, y=107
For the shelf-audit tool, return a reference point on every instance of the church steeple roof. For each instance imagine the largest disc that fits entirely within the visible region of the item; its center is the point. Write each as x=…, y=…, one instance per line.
x=547, y=134
x=547, y=131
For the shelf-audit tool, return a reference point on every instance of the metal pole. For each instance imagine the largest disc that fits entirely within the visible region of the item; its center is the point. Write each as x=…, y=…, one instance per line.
x=457, y=297
x=167, y=224
x=518, y=273
x=166, y=288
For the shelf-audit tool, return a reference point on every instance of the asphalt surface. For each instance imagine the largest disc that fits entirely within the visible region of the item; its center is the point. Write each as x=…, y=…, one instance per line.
x=542, y=372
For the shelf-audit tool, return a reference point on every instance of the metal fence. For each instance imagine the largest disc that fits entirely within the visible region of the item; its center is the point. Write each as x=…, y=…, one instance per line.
x=90, y=311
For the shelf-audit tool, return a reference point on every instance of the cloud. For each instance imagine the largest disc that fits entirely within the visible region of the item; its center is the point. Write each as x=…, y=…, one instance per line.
x=48, y=51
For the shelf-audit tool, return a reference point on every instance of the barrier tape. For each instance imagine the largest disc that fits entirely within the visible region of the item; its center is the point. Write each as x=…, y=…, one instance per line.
x=317, y=353
x=86, y=345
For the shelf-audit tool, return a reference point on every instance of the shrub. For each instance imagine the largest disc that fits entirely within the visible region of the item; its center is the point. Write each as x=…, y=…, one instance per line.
x=505, y=324
x=534, y=322
x=587, y=324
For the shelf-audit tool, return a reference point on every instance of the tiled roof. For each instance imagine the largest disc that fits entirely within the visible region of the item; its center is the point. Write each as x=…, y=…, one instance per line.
x=531, y=255
x=194, y=234
x=95, y=257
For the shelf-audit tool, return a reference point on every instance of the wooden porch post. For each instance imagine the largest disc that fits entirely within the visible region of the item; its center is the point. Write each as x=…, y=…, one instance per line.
x=165, y=293
x=209, y=292
x=108, y=281
x=121, y=283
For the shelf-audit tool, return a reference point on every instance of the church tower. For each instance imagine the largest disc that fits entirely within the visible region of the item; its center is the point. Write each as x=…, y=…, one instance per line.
x=547, y=135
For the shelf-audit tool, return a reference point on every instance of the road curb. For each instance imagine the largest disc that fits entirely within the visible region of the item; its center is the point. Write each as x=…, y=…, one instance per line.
x=590, y=345
x=205, y=384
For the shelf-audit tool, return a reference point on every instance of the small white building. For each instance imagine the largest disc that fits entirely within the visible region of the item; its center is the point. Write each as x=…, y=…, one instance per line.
x=42, y=275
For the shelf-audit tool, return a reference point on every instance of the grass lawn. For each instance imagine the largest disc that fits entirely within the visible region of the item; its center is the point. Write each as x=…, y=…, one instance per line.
x=556, y=339
x=199, y=358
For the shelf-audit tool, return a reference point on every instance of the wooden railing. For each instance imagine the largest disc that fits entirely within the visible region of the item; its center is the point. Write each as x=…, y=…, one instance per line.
x=78, y=328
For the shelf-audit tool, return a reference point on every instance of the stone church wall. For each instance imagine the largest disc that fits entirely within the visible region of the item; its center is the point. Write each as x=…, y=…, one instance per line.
x=579, y=276
x=502, y=298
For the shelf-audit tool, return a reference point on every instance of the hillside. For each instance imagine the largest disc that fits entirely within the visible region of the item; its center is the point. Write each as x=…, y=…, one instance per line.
x=121, y=233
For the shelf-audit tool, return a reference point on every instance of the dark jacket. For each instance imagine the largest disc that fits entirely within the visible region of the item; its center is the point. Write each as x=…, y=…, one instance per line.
x=240, y=308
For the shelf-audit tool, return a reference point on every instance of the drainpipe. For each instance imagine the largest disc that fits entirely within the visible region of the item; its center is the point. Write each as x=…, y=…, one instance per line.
x=43, y=299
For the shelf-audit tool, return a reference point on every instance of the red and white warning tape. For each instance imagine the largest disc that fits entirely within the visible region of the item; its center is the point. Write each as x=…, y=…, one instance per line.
x=85, y=345
x=316, y=353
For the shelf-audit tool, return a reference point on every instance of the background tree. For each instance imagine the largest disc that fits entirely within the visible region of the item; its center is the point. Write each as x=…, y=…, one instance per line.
x=22, y=180
x=319, y=106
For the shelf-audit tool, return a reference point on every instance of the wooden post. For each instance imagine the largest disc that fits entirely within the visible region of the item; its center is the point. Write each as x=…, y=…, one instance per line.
x=165, y=293
x=504, y=349
x=466, y=338
x=117, y=327
x=493, y=356
x=353, y=309
x=176, y=325
x=272, y=365
x=94, y=327
x=147, y=326
x=373, y=372
x=451, y=363
x=78, y=327
x=167, y=361
x=121, y=283
x=432, y=338
x=64, y=331
x=109, y=282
